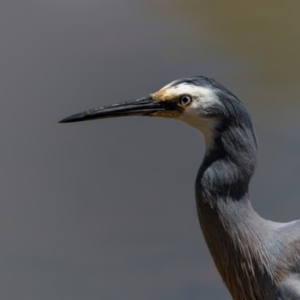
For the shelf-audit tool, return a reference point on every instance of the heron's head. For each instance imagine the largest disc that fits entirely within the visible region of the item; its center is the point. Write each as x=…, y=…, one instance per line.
x=198, y=101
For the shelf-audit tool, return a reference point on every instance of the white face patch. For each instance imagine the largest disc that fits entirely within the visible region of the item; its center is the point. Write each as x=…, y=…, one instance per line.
x=202, y=94
x=193, y=115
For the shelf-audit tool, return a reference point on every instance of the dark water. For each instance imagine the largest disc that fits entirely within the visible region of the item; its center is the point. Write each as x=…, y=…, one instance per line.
x=106, y=210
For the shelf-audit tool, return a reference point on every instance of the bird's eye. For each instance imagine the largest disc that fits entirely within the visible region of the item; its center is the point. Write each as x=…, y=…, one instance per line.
x=185, y=100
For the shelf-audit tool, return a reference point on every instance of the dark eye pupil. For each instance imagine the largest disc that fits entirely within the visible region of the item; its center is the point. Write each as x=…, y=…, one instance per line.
x=185, y=100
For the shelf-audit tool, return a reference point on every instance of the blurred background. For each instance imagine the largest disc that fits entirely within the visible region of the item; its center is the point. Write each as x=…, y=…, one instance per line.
x=106, y=209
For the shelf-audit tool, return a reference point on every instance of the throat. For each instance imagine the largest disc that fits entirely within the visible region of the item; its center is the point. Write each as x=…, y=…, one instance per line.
x=233, y=231
x=228, y=165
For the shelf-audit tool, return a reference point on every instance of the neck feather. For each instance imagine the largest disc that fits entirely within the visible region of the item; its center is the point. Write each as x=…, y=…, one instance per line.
x=234, y=232
x=228, y=164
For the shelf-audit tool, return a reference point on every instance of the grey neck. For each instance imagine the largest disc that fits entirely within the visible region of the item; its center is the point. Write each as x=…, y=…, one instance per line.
x=228, y=164
x=233, y=231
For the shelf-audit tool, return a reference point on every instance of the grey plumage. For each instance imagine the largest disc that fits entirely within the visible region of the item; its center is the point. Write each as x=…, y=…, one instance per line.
x=257, y=259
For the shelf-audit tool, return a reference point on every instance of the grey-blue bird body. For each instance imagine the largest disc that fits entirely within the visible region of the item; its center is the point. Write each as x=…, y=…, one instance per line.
x=257, y=259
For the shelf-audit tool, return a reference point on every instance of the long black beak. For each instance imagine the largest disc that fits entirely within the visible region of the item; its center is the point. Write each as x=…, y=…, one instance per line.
x=139, y=107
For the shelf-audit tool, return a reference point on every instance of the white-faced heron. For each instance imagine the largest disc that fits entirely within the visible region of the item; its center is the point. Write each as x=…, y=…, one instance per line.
x=257, y=259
